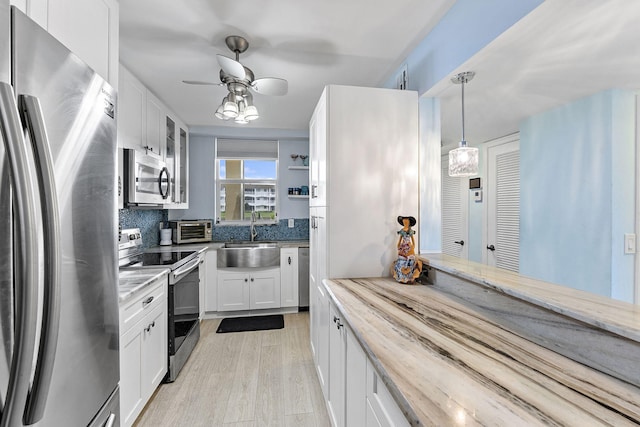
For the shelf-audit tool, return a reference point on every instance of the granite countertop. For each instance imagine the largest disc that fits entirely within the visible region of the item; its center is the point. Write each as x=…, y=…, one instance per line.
x=133, y=281
x=618, y=317
x=447, y=364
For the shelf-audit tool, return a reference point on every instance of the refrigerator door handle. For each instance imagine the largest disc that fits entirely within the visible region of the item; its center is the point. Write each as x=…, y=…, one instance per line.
x=26, y=251
x=33, y=120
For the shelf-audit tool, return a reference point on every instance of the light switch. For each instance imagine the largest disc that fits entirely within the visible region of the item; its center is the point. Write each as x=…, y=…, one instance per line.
x=291, y=222
x=629, y=243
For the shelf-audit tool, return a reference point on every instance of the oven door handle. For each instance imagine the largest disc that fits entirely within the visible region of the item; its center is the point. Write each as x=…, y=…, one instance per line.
x=187, y=268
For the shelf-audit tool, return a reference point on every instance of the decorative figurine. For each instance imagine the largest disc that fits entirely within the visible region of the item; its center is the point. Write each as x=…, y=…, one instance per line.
x=407, y=268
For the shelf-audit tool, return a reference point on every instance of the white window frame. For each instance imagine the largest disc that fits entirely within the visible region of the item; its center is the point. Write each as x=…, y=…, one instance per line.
x=219, y=182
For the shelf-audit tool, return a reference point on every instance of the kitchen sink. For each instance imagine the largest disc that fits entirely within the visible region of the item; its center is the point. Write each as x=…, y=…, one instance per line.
x=249, y=255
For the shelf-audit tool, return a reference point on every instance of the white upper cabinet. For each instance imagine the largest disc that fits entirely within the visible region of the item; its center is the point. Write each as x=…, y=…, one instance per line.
x=89, y=28
x=132, y=111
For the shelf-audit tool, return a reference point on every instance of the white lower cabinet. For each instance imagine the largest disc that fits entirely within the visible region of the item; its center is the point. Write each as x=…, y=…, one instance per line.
x=202, y=276
x=143, y=349
x=211, y=281
x=289, y=277
x=321, y=308
x=337, y=359
x=380, y=403
x=353, y=390
x=248, y=289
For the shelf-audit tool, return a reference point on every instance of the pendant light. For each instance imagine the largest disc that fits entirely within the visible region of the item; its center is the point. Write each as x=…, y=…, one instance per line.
x=463, y=161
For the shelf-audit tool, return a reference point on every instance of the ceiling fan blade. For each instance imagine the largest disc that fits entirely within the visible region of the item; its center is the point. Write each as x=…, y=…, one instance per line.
x=198, y=82
x=231, y=67
x=271, y=86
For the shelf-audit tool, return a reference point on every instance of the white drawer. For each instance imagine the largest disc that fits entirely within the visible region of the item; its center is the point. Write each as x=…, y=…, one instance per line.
x=135, y=309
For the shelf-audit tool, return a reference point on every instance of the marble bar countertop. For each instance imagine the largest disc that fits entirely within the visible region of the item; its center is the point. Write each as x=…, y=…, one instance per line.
x=446, y=364
x=615, y=316
x=132, y=281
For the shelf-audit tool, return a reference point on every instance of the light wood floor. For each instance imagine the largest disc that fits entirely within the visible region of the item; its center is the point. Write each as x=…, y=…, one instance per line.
x=248, y=379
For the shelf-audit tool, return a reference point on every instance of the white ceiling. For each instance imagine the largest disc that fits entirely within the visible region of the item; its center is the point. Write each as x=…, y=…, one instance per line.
x=310, y=44
x=562, y=51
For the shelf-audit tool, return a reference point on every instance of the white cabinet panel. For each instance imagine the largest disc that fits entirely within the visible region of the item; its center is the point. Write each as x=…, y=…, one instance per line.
x=153, y=361
x=131, y=401
x=356, y=378
x=132, y=111
x=289, y=277
x=337, y=358
x=233, y=291
x=202, y=275
x=155, y=125
x=387, y=411
x=211, y=290
x=265, y=289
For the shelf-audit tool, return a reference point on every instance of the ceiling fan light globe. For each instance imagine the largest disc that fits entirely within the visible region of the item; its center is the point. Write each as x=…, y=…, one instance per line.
x=241, y=120
x=220, y=113
x=230, y=109
x=251, y=113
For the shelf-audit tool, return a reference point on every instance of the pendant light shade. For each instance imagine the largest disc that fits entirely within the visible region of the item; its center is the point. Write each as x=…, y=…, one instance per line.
x=463, y=161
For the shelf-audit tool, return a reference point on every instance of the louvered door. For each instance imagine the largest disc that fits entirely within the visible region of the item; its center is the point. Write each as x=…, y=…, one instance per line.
x=503, y=198
x=454, y=213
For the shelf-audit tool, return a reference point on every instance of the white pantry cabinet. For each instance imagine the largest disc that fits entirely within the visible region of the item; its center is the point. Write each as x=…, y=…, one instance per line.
x=248, y=289
x=289, y=277
x=143, y=348
x=364, y=166
x=89, y=28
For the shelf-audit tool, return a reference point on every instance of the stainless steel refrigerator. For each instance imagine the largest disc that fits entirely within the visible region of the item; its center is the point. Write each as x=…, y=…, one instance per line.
x=58, y=234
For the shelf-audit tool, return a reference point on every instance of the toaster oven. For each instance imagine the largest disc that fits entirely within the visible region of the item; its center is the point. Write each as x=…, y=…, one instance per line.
x=191, y=231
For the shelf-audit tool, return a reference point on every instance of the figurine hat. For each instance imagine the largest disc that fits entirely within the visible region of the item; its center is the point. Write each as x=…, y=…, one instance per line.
x=412, y=220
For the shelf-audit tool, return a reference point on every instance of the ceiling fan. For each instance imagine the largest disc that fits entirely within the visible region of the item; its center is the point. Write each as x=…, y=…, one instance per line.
x=238, y=79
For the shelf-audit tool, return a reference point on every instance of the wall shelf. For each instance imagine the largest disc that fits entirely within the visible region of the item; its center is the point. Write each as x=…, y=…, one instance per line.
x=299, y=168
x=296, y=196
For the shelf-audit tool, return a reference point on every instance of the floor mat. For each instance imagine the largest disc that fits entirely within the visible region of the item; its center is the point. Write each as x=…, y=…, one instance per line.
x=253, y=323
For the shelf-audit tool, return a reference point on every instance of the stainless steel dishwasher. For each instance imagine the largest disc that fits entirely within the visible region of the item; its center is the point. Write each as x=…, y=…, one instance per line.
x=303, y=279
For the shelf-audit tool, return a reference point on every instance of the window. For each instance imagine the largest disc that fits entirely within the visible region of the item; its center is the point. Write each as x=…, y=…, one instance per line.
x=247, y=180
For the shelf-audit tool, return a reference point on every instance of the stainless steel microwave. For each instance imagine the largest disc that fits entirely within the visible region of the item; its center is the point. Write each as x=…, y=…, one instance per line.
x=191, y=231
x=147, y=179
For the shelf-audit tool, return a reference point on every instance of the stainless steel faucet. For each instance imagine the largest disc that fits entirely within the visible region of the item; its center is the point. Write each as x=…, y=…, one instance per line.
x=254, y=233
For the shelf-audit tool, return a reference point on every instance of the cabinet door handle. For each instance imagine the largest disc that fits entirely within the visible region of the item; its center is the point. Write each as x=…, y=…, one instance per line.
x=314, y=191
x=252, y=279
x=246, y=280
x=459, y=242
x=289, y=260
x=147, y=301
x=491, y=248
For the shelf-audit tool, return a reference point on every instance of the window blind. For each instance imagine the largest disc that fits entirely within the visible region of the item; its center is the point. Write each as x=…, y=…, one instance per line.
x=246, y=149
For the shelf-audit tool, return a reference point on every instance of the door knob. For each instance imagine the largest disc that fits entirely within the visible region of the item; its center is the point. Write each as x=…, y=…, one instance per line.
x=491, y=248
x=460, y=242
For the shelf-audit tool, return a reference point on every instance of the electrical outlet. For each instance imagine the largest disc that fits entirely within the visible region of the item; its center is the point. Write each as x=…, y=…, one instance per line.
x=291, y=222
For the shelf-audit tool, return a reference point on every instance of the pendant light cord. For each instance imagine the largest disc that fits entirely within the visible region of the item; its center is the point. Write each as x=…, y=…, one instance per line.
x=463, y=143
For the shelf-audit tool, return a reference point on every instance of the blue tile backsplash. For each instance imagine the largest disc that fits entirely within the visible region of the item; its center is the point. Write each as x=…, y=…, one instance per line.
x=148, y=220
x=279, y=231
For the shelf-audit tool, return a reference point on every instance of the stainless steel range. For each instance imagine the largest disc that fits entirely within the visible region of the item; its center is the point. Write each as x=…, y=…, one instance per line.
x=183, y=301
